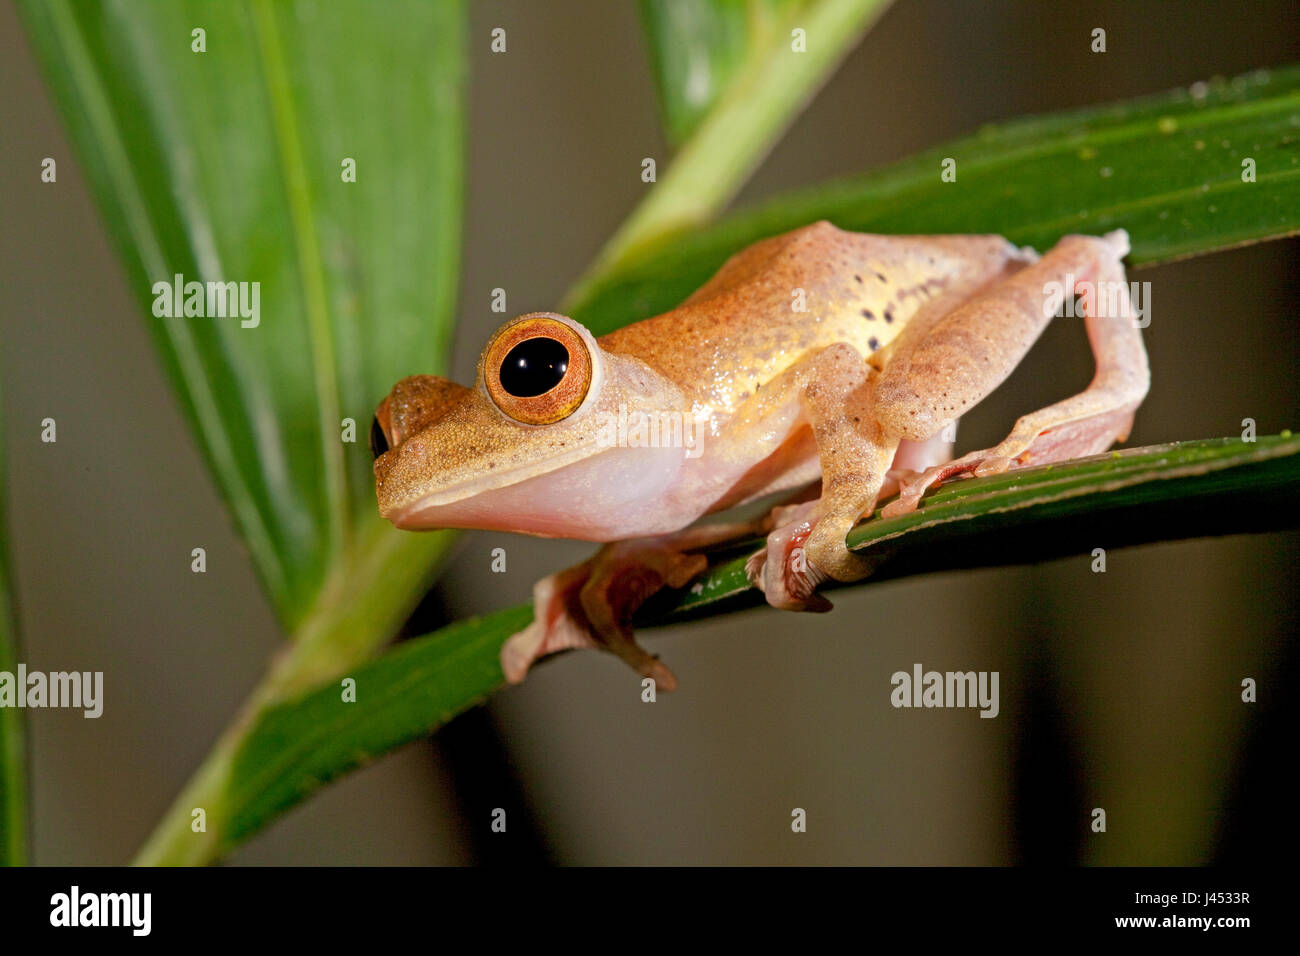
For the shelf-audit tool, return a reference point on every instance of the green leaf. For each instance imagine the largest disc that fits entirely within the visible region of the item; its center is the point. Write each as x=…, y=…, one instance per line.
x=226, y=166
x=1121, y=498
x=1167, y=168
x=1161, y=493
x=13, y=779
x=298, y=746
x=698, y=46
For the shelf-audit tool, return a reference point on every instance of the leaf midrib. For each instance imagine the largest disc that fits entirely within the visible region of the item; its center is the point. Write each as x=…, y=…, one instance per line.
x=311, y=269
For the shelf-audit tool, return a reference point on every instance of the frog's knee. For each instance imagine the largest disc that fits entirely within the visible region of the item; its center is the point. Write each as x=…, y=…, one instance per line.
x=906, y=412
x=1113, y=246
x=840, y=360
x=1117, y=240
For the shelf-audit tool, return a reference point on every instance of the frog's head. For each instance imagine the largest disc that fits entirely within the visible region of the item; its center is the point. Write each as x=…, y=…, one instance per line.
x=533, y=447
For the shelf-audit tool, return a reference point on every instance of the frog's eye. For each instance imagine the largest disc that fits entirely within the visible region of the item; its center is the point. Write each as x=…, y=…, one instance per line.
x=537, y=369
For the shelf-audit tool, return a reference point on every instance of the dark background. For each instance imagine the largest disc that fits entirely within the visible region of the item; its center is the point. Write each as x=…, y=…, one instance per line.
x=1118, y=690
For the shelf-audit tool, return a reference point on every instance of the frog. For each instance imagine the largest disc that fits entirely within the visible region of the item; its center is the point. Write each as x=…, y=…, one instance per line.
x=818, y=373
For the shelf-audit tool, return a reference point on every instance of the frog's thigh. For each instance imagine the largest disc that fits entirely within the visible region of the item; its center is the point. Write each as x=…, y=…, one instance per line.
x=1089, y=422
x=970, y=352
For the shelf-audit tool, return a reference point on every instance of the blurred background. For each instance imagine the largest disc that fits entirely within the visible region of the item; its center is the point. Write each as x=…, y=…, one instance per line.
x=1119, y=690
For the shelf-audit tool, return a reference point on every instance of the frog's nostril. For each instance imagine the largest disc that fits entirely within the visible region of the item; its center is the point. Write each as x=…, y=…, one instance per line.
x=378, y=441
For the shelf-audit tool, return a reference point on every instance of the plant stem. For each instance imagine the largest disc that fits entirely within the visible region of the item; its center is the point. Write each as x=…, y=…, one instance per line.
x=758, y=105
x=360, y=608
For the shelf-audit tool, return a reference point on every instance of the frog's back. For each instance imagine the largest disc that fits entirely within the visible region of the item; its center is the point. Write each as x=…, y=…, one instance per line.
x=785, y=296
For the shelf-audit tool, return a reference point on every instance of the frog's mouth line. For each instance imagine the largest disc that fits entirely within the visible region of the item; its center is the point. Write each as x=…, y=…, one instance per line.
x=495, y=480
x=577, y=498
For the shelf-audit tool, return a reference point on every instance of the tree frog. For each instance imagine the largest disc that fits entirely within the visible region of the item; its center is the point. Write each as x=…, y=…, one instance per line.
x=816, y=355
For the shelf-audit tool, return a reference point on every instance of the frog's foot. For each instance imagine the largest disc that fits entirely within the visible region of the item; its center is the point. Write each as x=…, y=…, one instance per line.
x=557, y=623
x=913, y=458
x=1032, y=442
x=781, y=570
x=591, y=605
x=912, y=486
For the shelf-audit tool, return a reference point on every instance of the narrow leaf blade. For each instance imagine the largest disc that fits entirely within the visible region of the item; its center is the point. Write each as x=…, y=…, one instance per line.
x=298, y=746
x=228, y=166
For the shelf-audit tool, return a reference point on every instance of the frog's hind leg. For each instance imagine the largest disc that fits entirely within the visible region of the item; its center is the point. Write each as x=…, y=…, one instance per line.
x=971, y=351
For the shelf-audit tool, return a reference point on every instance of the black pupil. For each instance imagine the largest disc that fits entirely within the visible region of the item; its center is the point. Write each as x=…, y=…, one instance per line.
x=534, y=367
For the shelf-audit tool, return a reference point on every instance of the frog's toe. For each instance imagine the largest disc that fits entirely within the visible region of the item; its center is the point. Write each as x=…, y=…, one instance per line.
x=555, y=627
x=538, y=640
x=912, y=487
x=591, y=605
x=783, y=572
x=609, y=600
x=754, y=565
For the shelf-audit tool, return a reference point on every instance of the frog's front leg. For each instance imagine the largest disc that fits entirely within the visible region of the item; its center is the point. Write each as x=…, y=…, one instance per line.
x=836, y=389
x=591, y=604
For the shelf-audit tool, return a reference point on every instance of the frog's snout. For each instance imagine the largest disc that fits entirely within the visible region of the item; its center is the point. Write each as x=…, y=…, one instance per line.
x=414, y=404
